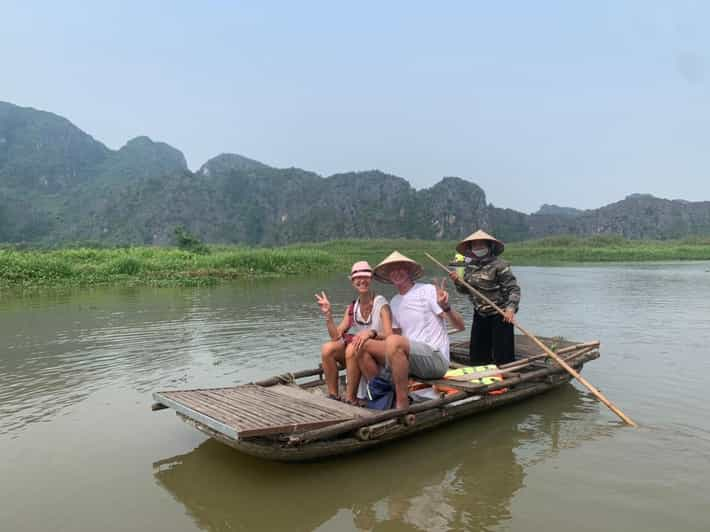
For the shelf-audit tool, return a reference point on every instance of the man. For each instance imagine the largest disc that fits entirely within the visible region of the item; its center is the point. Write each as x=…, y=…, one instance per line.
x=421, y=343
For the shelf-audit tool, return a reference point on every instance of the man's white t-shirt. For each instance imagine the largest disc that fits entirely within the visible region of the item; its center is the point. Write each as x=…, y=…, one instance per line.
x=416, y=313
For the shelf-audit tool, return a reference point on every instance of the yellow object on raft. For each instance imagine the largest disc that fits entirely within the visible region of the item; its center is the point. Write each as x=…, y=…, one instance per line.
x=473, y=371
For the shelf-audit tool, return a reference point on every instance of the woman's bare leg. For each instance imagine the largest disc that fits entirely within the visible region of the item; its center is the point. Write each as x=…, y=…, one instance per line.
x=352, y=370
x=331, y=352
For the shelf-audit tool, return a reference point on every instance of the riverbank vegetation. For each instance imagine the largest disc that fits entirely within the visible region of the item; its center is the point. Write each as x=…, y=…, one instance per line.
x=605, y=248
x=154, y=265
x=171, y=266
x=542, y=252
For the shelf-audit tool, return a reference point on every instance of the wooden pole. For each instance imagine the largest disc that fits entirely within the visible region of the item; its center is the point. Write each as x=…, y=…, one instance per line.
x=543, y=355
x=546, y=349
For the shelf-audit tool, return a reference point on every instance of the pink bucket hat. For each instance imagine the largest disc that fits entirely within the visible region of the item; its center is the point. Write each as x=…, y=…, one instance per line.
x=361, y=269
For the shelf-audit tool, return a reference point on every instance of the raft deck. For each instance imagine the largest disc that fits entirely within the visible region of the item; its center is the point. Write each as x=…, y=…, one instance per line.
x=251, y=410
x=279, y=408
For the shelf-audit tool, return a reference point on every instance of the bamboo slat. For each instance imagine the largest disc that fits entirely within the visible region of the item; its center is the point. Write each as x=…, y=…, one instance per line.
x=251, y=410
x=318, y=397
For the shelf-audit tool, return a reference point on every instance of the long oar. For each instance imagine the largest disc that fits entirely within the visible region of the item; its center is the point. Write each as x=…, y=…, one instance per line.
x=547, y=350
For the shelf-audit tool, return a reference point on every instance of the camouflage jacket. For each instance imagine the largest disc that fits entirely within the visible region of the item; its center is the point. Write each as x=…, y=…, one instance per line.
x=492, y=277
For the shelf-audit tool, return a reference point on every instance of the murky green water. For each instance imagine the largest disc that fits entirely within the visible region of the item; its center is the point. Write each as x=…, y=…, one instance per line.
x=81, y=450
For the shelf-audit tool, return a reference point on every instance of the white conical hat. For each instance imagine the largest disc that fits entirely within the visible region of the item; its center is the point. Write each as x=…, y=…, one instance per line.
x=464, y=248
x=395, y=257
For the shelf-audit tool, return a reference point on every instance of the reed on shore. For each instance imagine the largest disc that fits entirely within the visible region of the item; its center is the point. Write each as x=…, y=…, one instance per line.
x=150, y=265
x=154, y=265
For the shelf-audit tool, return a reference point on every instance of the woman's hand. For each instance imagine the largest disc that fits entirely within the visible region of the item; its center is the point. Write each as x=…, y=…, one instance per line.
x=509, y=315
x=442, y=296
x=323, y=303
x=360, y=339
x=454, y=277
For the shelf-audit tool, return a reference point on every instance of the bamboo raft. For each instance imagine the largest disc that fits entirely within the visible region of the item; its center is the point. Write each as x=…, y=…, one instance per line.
x=289, y=417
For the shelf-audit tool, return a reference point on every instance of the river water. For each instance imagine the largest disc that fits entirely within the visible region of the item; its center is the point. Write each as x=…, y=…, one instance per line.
x=80, y=449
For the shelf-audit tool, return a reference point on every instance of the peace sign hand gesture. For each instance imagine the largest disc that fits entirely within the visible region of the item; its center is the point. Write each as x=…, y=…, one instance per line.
x=323, y=303
x=442, y=296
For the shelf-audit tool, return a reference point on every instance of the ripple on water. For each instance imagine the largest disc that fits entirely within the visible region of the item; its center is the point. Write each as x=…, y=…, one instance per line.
x=80, y=354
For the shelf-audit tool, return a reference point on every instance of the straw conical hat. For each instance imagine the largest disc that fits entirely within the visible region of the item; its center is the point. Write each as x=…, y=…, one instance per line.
x=393, y=258
x=463, y=246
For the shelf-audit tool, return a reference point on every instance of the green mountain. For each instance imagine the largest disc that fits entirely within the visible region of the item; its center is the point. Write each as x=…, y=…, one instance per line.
x=43, y=152
x=58, y=184
x=636, y=216
x=556, y=210
x=140, y=159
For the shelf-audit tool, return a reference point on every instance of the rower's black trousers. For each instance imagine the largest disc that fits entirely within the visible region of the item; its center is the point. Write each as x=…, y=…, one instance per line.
x=492, y=341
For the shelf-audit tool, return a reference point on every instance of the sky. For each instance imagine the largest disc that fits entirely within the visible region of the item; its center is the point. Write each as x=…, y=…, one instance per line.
x=570, y=103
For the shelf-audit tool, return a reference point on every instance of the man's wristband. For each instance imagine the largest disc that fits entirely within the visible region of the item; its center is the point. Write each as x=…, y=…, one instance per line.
x=446, y=308
x=372, y=337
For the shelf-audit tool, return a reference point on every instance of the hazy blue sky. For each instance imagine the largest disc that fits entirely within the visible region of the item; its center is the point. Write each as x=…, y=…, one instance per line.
x=574, y=103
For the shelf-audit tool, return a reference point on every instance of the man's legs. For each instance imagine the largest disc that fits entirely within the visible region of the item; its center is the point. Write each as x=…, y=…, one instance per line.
x=373, y=356
x=331, y=352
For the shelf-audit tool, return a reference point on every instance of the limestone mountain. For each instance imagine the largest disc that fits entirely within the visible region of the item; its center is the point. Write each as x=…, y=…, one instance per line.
x=58, y=184
x=636, y=216
x=40, y=151
x=556, y=210
x=140, y=158
x=229, y=162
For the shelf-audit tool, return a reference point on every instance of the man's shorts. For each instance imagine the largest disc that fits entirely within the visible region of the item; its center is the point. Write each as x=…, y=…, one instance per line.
x=425, y=362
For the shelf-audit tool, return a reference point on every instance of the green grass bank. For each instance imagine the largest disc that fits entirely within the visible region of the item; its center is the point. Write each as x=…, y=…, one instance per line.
x=543, y=252
x=155, y=265
x=170, y=266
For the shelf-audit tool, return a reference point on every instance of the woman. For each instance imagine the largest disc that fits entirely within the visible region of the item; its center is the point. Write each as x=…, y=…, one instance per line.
x=492, y=338
x=367, y=321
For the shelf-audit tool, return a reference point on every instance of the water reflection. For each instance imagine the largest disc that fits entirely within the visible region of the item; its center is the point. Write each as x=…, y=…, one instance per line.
x=462, y=477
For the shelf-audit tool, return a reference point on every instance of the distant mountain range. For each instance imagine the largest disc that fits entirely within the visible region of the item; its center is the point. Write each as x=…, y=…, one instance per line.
x=58, y=184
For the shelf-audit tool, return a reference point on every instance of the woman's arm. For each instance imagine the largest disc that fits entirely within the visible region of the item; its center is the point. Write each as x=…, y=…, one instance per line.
x=373, y=334
x=325, y=308
x=334, y=331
